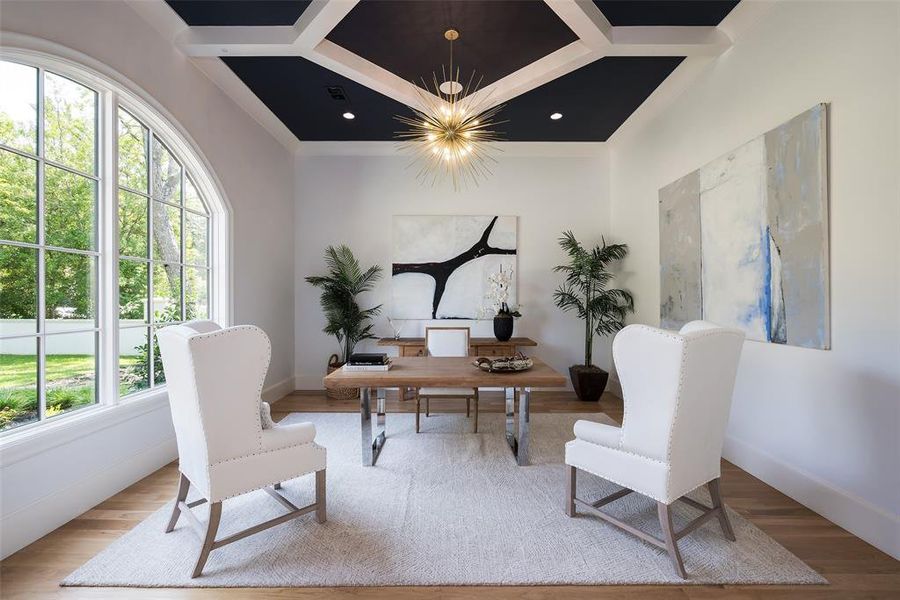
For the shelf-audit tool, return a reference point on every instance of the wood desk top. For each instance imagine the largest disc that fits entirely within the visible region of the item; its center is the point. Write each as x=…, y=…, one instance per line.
x=435, y=371
x=474, y=341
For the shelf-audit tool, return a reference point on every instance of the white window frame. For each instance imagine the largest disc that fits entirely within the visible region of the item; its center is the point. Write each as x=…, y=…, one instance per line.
x=113, y=90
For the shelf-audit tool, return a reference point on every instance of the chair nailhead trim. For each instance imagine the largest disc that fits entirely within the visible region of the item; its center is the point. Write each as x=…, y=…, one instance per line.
x=261, y=452
x=618, y=483
x=285, y=479
x=270, y=483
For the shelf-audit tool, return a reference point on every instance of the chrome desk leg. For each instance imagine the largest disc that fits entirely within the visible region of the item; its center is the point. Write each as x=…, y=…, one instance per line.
x=524, y=426
x=517, y=437
x=371, y=446
x=511, y=419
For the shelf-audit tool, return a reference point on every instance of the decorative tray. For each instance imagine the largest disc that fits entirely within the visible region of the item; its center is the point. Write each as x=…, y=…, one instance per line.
x=504, y=364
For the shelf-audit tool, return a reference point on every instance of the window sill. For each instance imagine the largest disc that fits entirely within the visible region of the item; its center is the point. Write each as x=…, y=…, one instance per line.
x=19, y=446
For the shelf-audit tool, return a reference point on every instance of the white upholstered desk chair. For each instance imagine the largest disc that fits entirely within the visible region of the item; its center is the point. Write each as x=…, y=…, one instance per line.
x=446, y=341
x=677, y=390
x=227, y=444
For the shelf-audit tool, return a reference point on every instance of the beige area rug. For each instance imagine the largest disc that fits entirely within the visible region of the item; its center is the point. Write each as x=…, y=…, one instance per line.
x=444, y=507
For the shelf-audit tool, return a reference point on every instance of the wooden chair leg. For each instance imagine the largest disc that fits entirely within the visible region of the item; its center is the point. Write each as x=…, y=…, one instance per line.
x=321, y=512
x=183, y=486
x=215, y=515
x=716, y=495
x=571, y=476
x=468, y=407
x=427, y=407
x=418, y=402
x=476, y=410
x=665, y=521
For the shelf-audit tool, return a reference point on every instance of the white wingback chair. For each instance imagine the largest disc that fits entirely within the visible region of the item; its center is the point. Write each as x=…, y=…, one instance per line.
x=677, y=390
x=227, y=444
x=446, y=341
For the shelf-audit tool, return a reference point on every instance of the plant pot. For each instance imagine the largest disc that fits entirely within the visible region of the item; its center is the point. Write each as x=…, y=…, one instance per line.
x=589, y=382
x=342, y=393
x=503, y=327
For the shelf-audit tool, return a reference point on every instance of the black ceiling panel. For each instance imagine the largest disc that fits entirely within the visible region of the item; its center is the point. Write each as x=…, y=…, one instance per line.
x=239, y=12
x=594, y=100
x=665, y=12
x=495, y=38
x=296, y=90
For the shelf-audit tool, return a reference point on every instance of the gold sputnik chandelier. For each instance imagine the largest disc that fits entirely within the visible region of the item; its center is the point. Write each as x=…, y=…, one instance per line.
x=450, y=131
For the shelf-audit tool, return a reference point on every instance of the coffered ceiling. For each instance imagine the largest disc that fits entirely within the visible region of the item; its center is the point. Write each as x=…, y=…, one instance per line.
x=498, y=37
x=594, y=62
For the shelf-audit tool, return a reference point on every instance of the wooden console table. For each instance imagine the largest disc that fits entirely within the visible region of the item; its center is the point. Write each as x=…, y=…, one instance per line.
x=478, y=346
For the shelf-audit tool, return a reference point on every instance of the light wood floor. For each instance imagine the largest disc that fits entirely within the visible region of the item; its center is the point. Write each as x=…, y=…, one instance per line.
x=854, y=568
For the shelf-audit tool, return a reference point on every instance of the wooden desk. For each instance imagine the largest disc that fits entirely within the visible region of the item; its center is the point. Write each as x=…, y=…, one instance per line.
x=432, y=371
x=478, y=346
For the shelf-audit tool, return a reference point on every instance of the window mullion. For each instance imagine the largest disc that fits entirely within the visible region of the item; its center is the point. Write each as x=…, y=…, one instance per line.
x=108, y=244
x=150, y=262
x=183, y=249
x=41, y=255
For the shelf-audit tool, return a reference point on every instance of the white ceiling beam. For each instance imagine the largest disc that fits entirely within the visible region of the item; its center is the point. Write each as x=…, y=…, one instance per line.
x=667, y=41
x=319, y=18
x=279, y=40
x=563, y=61
x=585, y=20
x=343, y=62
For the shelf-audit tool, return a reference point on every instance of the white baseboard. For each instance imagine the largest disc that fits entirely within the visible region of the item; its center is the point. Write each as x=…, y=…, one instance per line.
x=32, y=522
x=858, y=516
x=278, y=390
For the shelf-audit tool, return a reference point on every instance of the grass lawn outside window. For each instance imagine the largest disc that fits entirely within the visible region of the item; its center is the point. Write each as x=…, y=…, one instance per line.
x=73, y=384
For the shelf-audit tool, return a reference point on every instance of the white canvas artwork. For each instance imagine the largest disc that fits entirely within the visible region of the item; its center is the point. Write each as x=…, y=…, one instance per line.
x=441, y=264
x=744, y=239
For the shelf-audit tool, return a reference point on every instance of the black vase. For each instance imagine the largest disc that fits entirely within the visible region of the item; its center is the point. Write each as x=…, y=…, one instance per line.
x=503, y=327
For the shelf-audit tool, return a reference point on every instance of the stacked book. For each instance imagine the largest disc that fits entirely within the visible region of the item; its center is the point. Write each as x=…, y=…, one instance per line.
x=363, y=361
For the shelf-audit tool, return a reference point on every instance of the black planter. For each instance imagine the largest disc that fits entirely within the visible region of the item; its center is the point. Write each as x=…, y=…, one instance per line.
x=589, y=382
x=503, y=327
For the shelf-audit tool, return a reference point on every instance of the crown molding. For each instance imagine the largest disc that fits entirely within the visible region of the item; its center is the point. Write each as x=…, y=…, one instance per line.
x=506, y=149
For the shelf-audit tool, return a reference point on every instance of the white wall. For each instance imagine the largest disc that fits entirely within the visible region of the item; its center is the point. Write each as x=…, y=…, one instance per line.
x=822, y=426
x=351, y=199
x=41, y=491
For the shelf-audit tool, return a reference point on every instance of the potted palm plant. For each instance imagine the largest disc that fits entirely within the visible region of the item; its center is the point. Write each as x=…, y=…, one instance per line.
x=344, y=318
x=602, y=310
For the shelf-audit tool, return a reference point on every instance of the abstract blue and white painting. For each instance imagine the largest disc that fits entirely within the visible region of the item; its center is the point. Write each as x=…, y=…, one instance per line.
x=744, y=239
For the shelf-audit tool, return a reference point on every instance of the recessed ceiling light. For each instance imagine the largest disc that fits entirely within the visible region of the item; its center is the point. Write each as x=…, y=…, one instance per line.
x=556, y=116
x=349, y=115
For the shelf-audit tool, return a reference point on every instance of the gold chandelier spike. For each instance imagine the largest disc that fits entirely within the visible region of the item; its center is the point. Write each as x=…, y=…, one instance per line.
x=452, y=128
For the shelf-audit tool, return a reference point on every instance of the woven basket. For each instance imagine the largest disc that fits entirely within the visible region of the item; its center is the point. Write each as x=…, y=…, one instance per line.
x=339, y=393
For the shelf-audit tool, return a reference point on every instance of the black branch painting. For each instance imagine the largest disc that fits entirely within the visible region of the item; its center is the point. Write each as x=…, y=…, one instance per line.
x=441, y=271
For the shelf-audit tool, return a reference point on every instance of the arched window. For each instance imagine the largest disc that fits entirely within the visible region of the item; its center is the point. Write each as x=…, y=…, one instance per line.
x=110, y=227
